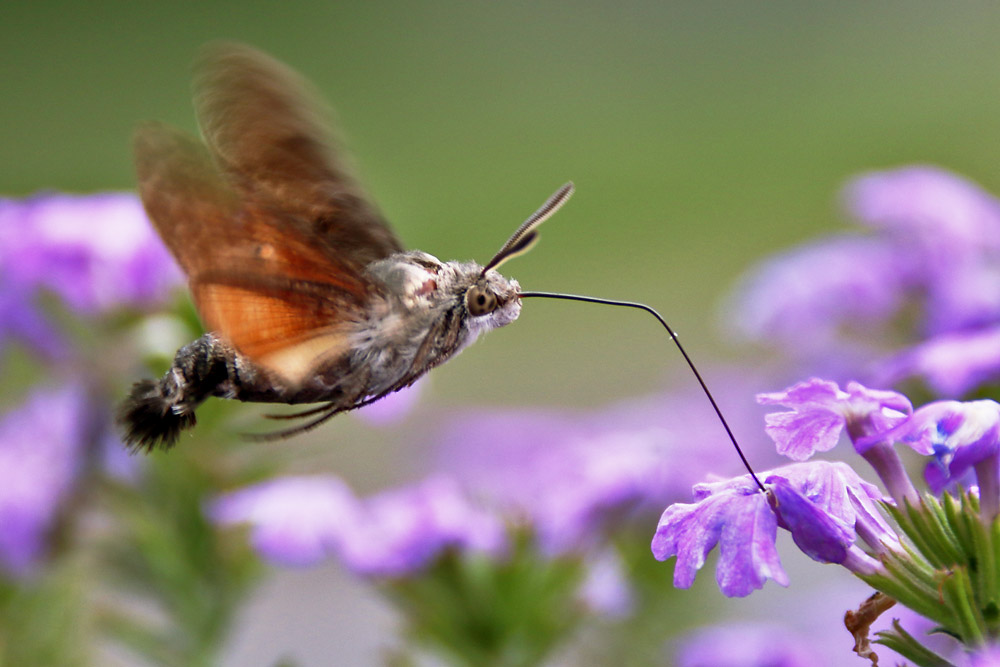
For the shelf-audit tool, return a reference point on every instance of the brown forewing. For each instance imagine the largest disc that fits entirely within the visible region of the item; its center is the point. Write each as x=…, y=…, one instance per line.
x=259, y=276
x=267, y=132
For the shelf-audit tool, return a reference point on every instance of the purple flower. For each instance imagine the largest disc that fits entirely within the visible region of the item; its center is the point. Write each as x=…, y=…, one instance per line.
x=303, y=520
x=926, y=203
x=294, y=520
x=820, y=411
x=570, y=475
x=932, y=267
x=42, y=445
x=952, y=364
x=747, y=645
x=96, y=252
x=399, y=532
x=824, y=505
x=960, y=436
x=802, y=297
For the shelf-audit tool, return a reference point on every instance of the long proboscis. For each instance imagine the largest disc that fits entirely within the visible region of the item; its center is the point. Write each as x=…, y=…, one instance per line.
x=526, y=235
x=677, y=342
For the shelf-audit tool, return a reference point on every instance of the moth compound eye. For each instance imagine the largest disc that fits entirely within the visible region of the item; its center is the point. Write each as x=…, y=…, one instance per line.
x=480, y=301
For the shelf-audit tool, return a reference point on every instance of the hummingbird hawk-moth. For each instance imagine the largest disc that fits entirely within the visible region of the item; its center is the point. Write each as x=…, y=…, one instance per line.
x=307, y=294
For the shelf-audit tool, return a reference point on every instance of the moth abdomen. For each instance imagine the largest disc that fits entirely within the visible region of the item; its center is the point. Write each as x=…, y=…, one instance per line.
x=156, y=411
x=149, y=419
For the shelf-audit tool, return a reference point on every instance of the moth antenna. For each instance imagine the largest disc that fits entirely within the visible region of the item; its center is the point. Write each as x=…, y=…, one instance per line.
x=526, y=235
x=673, y=336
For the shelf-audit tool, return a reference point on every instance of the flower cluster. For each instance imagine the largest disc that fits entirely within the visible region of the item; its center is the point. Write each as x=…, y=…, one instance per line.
x=303, y=520
x=929, y=252
x=96, y=253
x=834, y=516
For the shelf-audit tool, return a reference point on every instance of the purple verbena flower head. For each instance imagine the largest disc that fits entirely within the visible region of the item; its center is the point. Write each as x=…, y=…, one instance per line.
x=399, y=532
x=42, y=447
x=824, y=505
x=96, y=252
x=294, y=521
x=821, y=410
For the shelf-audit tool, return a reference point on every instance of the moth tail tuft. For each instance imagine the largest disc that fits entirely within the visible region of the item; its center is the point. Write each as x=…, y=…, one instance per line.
x=148, y=420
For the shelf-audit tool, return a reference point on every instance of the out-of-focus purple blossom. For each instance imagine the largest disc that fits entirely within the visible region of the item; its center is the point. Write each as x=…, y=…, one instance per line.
x=926, y=203
x=951, y=364
x=96, y=252
x=804, y=297
x=821, y=410
x=825, y=506
x=42, y=447
x=951, y=229
x=294, y=521
x=747, y=645
x=394, y=407
x=569, y=474
x=303, y=520
x=399, y=532
x=931, y=270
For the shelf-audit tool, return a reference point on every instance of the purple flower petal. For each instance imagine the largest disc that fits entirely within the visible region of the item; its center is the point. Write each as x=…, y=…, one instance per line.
x=294, y=521
x=23, y=321
x=734, y=515
x=959, y=435
x=835, y=490
x=820, y=410
x=818, y=534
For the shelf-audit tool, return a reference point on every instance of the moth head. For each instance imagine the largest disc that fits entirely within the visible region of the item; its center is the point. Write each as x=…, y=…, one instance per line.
x=491, y=300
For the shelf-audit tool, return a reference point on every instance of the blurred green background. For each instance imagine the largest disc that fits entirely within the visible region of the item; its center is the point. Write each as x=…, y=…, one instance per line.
x=701, y=137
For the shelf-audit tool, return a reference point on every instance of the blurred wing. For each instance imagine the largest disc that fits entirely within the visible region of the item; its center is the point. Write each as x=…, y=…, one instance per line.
x=264, y=127
x=257, y=275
